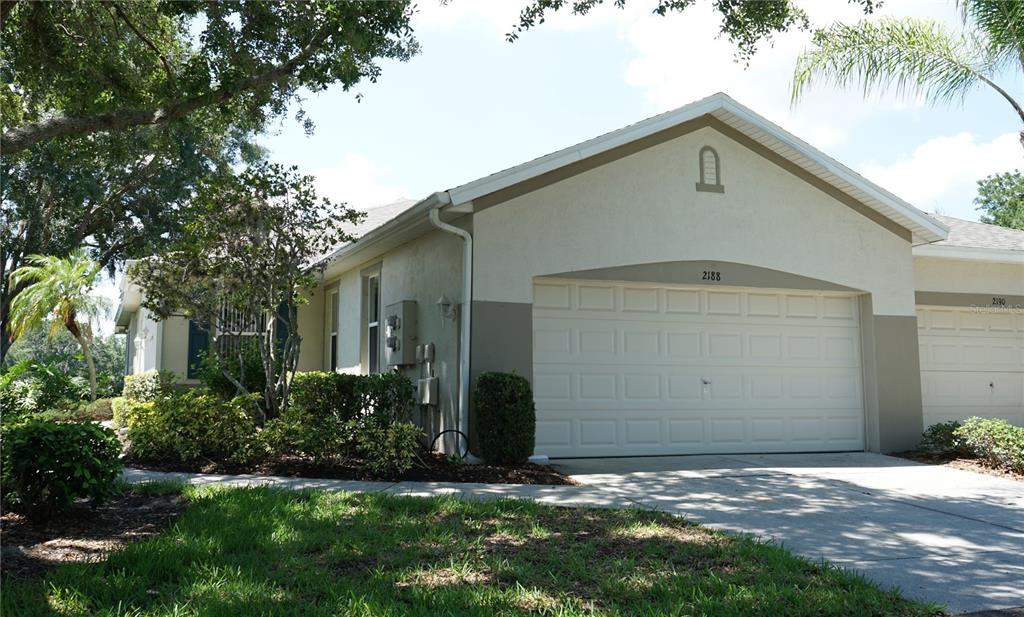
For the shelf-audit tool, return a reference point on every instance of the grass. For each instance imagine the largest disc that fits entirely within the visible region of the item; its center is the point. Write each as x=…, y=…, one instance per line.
x=258, y=551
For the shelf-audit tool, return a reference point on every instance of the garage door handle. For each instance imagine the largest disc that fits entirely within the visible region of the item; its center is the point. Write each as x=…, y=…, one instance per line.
x=706, y=382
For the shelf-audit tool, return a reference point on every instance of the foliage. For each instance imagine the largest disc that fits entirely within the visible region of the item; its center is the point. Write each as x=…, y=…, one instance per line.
x=386, y=449
x=149, y=385
x=747, y=23
x=334, y=416
x=506, y=418
x=191, y=426
x=56, y=293
x=81, y=68
x=1001, y=199
x=97, y=411
x=260, y=551
x=46, y=465
x=30, y=387
x=324, y=394
x=942, y=439
x=920, y=57
x=246, y=263
x=245, y=366
x=113, y=111
x=63, y=352
x=122, y=195
x=996, y=442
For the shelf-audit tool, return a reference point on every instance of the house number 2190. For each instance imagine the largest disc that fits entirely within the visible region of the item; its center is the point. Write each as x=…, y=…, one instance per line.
x=711, y=275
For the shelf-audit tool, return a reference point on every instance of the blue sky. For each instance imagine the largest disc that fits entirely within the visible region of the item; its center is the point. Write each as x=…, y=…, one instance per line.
x=472, y=104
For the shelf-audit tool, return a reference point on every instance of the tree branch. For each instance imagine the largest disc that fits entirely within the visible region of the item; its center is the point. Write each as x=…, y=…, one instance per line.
x=17, y=139
x=163, y=59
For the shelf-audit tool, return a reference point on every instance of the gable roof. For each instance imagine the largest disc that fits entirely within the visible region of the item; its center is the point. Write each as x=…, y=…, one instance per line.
x=725, y=109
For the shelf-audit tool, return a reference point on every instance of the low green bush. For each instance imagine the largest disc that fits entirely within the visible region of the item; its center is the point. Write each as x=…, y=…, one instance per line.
x=942, y=439
x=298, y=431
x=387, y=449
x=333, y=417
x=47, y=465
x=996, y=442
x=323, y=394
x=506, y=418
x=148, y=386
x=192, y=426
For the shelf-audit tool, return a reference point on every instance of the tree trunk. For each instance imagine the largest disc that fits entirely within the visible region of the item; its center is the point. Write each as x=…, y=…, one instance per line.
x=87, y=352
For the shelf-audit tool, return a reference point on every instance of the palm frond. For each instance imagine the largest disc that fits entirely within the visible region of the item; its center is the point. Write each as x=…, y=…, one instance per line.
x=1002, y=23
x=54, y=288
x=915, y=57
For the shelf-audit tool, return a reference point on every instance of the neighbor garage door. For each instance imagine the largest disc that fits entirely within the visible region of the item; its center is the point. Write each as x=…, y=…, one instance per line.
x=630, y=369
x=972, y=363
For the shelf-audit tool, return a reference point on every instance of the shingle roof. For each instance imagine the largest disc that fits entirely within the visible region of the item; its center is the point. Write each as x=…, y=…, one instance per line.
x=378, y=215
x=970, y=234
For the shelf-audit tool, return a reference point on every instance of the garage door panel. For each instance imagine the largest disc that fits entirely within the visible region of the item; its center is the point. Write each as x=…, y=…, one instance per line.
x=656, y=370
x=972, y=364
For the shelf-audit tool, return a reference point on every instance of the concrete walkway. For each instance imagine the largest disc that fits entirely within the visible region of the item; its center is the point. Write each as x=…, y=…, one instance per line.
x=940, y=534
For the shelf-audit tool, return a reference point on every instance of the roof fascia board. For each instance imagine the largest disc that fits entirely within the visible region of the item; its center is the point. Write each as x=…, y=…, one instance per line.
x=969, y=253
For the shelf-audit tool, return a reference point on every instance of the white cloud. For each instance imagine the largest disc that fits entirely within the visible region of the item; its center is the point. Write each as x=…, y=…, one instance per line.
x=682, y=57
x=941, y=174
x=358, y=181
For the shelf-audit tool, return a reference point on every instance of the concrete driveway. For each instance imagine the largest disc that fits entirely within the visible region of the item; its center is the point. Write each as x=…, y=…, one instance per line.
x=939, y=534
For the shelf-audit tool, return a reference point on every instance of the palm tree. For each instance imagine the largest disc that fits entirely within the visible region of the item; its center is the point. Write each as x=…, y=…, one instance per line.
x=921, y=57
x=57, y=294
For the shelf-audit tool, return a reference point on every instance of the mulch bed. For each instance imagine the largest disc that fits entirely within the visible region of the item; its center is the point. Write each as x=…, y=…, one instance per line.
x=84, y=534
x=967, y=464
x=431, y=467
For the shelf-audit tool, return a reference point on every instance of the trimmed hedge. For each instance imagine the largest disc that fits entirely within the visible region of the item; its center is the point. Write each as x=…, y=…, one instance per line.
x=47, y=465
x=191, y=426
x=996, y=442
x=148, y=386
x=332, y=417
x=506, y=418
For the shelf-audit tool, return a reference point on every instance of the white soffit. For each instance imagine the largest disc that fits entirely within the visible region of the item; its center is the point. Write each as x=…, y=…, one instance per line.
x=722, y=107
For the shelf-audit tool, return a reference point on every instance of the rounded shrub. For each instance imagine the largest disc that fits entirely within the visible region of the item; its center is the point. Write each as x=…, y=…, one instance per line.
x=506, y=418
x=191, y=426
x=995, y=442
x=148, y=386
x=47, y=465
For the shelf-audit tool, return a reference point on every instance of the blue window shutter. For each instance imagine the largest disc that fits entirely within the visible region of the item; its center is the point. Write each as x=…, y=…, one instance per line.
x=198, y=344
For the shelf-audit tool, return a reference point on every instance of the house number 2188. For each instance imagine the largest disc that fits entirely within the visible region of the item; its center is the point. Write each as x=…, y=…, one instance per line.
x=711, y=275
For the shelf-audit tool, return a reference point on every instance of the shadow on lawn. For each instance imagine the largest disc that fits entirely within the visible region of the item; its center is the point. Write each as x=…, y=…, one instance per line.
x=259, y=551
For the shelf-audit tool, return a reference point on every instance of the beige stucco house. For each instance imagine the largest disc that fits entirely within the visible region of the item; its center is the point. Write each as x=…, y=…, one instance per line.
x=699, y=282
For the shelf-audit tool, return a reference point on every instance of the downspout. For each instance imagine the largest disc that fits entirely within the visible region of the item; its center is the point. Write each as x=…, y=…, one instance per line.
x=444, y=199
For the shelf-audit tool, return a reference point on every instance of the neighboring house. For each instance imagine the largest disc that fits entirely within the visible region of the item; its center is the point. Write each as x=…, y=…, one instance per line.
x=699, y=282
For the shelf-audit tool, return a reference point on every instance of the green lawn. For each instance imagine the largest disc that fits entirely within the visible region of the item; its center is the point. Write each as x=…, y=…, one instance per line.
x=265, y=552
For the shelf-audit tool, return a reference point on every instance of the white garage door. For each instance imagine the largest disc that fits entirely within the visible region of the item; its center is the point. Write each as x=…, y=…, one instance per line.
x=972, y=363
x=630, y=369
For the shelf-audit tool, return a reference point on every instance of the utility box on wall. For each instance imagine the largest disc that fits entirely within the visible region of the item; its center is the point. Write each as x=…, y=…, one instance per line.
x=400, y=333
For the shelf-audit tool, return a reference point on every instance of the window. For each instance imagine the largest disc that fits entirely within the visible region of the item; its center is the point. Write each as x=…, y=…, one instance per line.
x=236, y=328
x=333, y=304
x=710, y=171
x=198, y=346
x=373, y=323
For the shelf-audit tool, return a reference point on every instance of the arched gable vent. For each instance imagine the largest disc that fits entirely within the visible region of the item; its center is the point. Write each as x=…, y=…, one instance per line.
x=710, y=179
